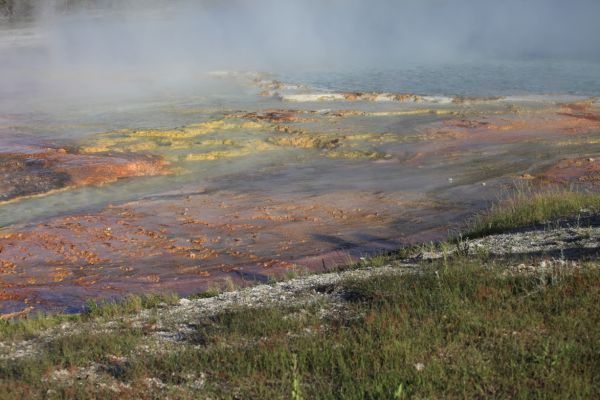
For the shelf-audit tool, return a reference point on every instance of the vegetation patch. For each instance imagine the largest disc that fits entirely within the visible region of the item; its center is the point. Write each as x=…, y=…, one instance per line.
x=30, y=326
x=530, y=207
x=460, y=327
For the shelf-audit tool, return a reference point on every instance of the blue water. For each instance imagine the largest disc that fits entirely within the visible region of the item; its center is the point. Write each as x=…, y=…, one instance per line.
x=482, y=78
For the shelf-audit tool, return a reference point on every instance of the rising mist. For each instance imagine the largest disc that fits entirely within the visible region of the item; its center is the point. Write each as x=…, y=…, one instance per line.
x=108, y=47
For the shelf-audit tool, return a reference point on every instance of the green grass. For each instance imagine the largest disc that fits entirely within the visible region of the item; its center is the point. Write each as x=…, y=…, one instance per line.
x=128, y=305
x=526, y=207
x=28, y=327
x=457, y=330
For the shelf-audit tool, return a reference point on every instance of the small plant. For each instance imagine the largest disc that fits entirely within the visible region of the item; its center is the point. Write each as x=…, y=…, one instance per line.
x=445, y=249
x=296, y=390
x=399, y=393
x=230, y=286
x=295, y=271
x=462, y=246
x=407, y=252
x=378, y=261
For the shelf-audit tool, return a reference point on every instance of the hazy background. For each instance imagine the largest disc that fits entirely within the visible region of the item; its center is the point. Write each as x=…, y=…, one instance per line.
x=108, y=47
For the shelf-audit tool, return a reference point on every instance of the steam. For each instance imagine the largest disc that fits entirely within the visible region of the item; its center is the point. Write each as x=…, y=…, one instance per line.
x=118, y=47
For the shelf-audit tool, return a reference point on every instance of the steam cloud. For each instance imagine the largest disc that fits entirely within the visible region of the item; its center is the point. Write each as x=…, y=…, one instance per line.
x=120, y=44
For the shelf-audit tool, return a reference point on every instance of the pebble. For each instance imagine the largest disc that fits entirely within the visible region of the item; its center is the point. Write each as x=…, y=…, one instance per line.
x=184, y=302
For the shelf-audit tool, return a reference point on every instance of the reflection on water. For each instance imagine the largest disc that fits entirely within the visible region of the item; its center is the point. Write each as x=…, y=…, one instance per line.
x=186, y=193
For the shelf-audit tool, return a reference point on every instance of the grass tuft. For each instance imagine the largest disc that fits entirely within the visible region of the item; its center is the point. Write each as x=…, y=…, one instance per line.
x=30, y=326
x=528, y=207
x=130, y=304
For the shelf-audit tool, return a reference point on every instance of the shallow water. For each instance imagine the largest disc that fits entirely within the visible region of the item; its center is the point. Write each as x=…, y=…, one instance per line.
x=469, y=78
x=197, y=186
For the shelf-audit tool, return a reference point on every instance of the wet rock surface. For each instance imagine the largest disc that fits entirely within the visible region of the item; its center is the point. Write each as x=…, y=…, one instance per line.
x=191, y=243
x=20, y=176
x=31, y=171
x=260, y=186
